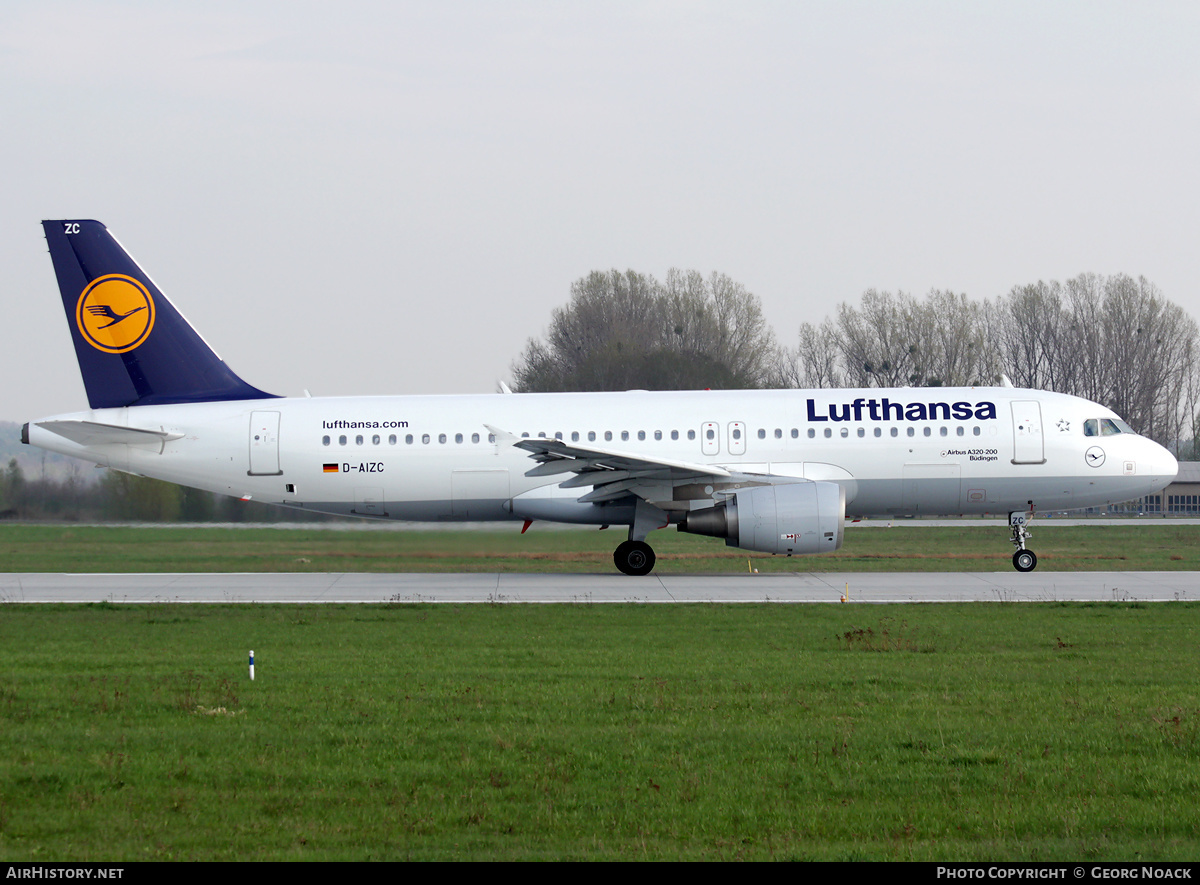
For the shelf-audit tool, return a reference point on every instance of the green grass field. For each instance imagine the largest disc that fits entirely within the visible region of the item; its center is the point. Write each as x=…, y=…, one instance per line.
x=1157, y=545
x=987, y=732
x=937, y=732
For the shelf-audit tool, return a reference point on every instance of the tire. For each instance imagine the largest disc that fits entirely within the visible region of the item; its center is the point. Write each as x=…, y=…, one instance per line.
x=634, y=558
x=1024, y=560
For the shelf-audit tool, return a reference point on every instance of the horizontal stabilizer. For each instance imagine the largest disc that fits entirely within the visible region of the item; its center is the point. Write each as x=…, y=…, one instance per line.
x=92, y=433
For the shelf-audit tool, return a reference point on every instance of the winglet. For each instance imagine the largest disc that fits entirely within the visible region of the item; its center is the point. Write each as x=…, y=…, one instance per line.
x=503, y=436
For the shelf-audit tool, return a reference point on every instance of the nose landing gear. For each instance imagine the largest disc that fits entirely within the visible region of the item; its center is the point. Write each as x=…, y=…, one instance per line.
x=1023, y=560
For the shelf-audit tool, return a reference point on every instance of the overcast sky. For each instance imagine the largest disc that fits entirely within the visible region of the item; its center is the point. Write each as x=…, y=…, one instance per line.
x=391, y=197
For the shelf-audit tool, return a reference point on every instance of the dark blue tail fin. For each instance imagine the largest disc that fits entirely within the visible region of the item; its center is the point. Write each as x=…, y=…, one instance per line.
x=134, y=347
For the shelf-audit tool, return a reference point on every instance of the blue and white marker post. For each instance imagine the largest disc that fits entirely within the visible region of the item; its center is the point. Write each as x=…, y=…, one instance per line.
x=251, y=665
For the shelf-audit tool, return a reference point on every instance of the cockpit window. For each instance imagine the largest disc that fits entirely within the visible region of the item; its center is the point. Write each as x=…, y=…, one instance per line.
x=1105, y=427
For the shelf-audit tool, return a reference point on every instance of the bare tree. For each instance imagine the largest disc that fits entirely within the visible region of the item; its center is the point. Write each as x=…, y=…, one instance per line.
x=877, y=341
x=627, y=330
x=1114, y=340
x=817, y=361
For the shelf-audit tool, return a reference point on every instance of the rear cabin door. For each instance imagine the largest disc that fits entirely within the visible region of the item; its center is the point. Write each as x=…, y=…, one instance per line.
x=264, y=444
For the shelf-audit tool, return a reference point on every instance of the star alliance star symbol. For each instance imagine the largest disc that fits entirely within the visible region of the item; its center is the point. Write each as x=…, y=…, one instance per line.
x=1063, y=425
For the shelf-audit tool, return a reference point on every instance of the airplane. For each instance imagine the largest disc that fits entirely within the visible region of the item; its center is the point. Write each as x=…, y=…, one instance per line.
x=772, y=471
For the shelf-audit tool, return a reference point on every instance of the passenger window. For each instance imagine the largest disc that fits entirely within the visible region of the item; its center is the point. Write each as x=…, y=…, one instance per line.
x=458, y=437
x=408, y=439
x=358, y=440
x=691, y=434
x=375, y=440
x=861, y=432
x=624, y=435
x=811, y=433
x=424, y=439
x=928, y=431
x=674, y=434
x=608, y=436
x=392, y=440
x=828, y=433
x=795, y=433
x=641, y=434
x=878, y=432
x=778, y=433
x=442, y=438
x=474, y=437
x=325, y=440
x=658, y=434
x=895, y=431
x=591, y=436
x=845, y=432
x=574, y=436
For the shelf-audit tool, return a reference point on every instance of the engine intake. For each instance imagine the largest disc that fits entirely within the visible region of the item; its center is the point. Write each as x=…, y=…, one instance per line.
x=802, y=517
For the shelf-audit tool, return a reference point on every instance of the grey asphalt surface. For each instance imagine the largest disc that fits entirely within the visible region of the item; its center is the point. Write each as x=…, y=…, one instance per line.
x=799, y=587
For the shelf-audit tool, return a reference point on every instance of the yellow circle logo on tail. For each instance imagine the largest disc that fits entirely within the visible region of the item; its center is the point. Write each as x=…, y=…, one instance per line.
x=115, y=313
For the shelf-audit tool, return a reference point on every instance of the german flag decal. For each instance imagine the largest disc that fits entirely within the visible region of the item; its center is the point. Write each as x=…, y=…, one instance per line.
x=329, y=468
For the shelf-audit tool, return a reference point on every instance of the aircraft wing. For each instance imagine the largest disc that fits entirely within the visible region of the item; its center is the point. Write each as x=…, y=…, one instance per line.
x=612, y=474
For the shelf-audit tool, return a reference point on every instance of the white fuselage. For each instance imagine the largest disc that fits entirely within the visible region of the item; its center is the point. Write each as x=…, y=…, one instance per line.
x=900, y=451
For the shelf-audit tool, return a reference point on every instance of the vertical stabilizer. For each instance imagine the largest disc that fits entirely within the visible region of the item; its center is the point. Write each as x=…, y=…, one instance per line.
x=134, y=348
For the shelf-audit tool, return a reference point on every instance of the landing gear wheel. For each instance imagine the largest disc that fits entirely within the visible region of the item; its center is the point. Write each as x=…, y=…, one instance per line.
x=1024, y=560
x=634, y=558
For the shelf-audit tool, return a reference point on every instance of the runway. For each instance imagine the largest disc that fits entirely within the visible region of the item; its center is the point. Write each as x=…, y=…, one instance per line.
x=798, y=587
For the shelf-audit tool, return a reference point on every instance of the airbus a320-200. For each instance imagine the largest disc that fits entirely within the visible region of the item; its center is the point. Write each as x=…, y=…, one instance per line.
x=774, y=471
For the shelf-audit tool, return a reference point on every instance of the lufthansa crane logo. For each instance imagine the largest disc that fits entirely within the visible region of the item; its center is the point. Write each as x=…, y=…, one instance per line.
x=115, y=313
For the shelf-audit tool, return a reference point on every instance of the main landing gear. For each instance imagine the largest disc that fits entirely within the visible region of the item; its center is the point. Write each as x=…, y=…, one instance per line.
x=1023, y=560
x=635, y=557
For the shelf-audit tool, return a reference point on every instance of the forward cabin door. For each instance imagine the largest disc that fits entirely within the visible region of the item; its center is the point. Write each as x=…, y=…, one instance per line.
x=264, y=444
x=1028, y=447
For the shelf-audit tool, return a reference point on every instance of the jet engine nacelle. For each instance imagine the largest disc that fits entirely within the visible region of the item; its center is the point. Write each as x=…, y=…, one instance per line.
x=803, y=517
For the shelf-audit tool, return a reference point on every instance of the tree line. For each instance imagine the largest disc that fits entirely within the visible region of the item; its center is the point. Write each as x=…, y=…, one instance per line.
x=1115, y=340
x=123, y=497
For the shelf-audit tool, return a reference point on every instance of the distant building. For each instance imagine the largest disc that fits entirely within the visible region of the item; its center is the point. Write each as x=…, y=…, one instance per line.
x=1183, y=495
x=1180, y=498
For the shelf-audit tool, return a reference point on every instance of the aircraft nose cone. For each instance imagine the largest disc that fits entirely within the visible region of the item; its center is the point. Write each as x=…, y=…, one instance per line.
x=1171, y=466
x=1163, y=463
